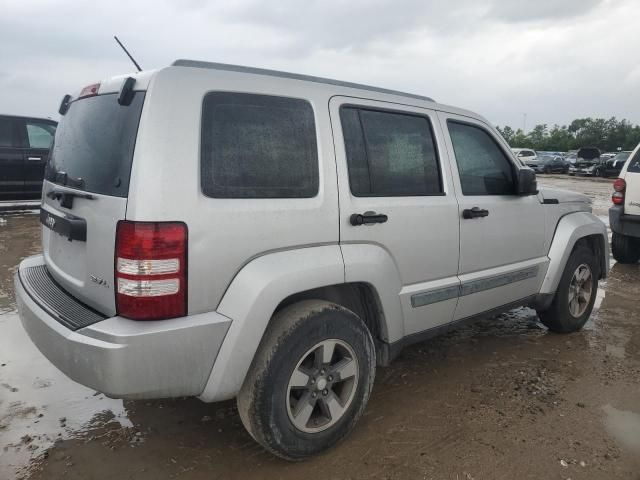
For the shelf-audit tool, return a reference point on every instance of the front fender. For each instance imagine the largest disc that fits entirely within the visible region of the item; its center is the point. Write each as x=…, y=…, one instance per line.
x=252, y=298
x=570, y=229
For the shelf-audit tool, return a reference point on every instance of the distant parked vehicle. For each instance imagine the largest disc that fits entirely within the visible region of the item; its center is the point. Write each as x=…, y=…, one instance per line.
x=24, y=150
x=550, y=164
x=588, y=158
x=525, y=155
x=624, y=215
x=571, y=157
x=611, y=167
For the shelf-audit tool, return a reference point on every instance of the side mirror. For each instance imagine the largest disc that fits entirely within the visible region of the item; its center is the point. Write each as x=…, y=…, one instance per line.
x=527, y=183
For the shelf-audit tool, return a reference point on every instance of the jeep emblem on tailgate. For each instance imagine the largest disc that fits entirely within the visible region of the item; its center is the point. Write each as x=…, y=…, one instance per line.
x=50, y=222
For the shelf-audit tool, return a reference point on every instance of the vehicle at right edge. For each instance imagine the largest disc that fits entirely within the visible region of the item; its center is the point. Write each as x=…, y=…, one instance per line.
x=624, y=215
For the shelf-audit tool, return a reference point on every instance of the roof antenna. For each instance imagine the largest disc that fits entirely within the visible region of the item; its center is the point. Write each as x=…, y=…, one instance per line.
x=128, y=54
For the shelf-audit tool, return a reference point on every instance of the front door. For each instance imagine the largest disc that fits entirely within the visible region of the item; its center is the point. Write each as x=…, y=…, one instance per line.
x=502, y=234
x=397, y=202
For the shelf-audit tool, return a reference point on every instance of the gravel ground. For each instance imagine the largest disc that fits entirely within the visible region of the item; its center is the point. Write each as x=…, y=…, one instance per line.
x=501, y=399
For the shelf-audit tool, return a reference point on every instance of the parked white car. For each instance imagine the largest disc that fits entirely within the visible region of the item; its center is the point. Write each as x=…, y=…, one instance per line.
x=527, y=156
x=220, y=231
x=624, y=215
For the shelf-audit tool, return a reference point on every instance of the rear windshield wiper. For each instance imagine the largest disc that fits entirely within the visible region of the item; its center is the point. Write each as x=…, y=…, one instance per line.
x=66, y=198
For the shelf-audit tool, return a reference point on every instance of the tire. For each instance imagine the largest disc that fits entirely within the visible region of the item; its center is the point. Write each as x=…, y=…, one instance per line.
x=268, y=402
x=566, y=170
x=625, y=249
x=561, y=317
x=546, y=170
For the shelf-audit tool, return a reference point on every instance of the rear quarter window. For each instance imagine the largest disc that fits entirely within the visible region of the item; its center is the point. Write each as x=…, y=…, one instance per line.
x=258, y=146
x=634, y=163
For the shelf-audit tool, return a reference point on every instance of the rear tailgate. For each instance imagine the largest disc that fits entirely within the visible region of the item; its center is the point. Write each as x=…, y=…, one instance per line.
x=83, y=268
x=85, y=195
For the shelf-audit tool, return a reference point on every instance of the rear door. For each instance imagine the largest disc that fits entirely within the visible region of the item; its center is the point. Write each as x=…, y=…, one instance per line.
x=37, y=138
x=391, y=164
x=11, y=159
x=632, y=179
x=502, y=234
x=85, y=195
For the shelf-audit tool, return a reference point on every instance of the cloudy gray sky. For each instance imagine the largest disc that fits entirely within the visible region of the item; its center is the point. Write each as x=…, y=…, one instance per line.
x=553, y=59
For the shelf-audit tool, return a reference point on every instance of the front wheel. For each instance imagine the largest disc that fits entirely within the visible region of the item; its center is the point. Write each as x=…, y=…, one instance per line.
x=310, y=380
x=575, y=295
x=625, y=249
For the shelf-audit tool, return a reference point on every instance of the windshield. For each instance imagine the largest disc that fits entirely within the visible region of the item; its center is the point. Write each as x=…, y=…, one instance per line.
x=545, y=158
x=93, y=146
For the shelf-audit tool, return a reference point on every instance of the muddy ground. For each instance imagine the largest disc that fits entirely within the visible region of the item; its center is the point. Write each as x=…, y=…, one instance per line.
x=502, y=399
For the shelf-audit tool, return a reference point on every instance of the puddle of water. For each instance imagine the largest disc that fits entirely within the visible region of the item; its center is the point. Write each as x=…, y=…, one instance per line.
x=624, y=426
x=38, y=404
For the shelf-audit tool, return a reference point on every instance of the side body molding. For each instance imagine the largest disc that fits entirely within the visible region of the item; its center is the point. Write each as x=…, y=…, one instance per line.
x=251, y=299
x=570, y=229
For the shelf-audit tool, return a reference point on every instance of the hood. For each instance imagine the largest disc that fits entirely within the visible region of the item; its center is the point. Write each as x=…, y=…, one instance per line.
x=563, y=196
x=588, y=153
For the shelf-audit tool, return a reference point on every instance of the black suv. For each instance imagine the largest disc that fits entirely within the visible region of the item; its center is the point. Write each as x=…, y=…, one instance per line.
x=24, y=150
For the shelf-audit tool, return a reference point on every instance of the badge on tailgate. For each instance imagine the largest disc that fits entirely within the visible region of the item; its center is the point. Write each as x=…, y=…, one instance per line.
x=74, y=228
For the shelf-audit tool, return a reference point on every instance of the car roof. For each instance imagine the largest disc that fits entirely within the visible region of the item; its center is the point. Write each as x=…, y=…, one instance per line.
x=27, y=117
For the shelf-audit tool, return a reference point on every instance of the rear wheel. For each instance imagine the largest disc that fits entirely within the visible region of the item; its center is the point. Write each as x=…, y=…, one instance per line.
x=576, y=293
x=625, y=249
x=310, y=380
x=546, y=170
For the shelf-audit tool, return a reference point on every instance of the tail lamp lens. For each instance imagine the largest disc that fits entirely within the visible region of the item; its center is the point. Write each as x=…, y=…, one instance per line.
x=617, y=198
x=151, y=270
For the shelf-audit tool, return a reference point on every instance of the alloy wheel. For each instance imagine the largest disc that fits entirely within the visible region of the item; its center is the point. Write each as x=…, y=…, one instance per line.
x=580, y=290
x=322, y=386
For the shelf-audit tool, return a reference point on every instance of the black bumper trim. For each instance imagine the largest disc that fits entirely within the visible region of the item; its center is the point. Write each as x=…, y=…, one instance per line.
x=51, y=297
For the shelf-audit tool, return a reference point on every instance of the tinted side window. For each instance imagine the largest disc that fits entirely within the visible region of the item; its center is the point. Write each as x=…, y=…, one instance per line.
x=258, y=146
x=390, y=154
x=634, y=163
x=40, y=135
x=483, y=167
x=6, y=132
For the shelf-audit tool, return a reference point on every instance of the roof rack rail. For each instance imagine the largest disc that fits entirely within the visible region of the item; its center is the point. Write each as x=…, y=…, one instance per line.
x=294, y=76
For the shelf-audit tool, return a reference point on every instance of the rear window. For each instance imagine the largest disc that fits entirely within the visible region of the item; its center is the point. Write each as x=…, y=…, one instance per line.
x=94, y=143
x=258, y=146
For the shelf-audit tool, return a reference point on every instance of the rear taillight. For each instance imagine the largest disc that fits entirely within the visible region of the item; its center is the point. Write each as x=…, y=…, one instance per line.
x=618, y=196
x=151, y=270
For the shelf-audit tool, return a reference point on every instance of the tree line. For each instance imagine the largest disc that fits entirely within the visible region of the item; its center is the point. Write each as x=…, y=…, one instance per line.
x=607, y=135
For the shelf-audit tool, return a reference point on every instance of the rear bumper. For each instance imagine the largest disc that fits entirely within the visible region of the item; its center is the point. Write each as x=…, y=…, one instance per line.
x=125, y=358
x=624, y=224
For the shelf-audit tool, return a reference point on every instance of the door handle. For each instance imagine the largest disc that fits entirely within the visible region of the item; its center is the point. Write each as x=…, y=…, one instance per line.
x=474, y=212
x=367, y=218
x=35, y=159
